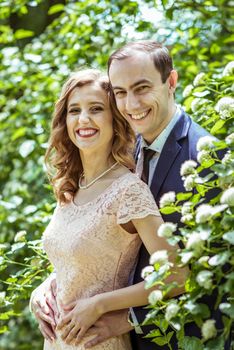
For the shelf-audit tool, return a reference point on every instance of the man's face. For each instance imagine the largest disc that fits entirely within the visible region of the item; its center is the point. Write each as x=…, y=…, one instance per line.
x=141, y=97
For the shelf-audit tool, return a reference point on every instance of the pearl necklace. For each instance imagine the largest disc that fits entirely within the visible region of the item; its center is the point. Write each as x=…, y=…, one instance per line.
x=84, y=187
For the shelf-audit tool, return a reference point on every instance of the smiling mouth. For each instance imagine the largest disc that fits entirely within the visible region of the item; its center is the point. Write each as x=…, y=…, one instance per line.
x=139, y=116
x=87, y=132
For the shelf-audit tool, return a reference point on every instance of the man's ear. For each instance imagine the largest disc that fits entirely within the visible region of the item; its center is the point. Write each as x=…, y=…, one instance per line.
x=172, y=80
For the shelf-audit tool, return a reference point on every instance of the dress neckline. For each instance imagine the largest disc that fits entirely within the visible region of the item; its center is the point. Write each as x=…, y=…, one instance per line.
x=108, y=188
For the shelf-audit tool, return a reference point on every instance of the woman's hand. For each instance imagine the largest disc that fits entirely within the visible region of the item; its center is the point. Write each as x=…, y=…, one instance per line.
x=82, y=314
x=44, y=307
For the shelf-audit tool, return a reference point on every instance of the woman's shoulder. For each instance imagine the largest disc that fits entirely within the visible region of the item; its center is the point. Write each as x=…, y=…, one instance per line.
x=132, y=180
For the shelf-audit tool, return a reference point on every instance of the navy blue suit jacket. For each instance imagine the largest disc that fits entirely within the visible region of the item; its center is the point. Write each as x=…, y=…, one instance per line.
x=179, y=147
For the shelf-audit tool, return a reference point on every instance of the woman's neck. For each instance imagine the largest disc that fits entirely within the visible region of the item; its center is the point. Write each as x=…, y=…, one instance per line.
x=93, y=166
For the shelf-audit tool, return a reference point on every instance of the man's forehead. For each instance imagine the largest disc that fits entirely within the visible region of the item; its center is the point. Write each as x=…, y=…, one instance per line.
x=133, y=70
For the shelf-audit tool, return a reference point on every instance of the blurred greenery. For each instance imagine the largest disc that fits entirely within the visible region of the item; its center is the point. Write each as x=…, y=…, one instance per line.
x=41, y=43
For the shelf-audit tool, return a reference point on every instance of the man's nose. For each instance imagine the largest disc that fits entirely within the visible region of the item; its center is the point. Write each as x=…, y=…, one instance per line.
x=132, y=102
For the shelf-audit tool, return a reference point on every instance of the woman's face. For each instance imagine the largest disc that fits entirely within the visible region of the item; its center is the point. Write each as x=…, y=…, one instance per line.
x=89, y=119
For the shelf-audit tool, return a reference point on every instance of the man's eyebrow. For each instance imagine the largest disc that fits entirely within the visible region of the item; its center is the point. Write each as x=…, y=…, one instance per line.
x=139, y=82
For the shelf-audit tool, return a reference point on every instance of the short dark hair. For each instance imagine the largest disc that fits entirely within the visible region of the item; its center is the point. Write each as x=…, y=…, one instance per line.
x=159, y=53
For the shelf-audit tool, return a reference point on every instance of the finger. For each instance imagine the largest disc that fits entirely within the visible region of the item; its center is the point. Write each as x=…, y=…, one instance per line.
x=69, y=306
x=95, y=341
x=93, y=331
x=67, y=330
x=72, y=334
x=52, y=303
x=41, y=316
x=44, y=307
x=54, y=288
x=63, y=321
x=46, y=331
x=80, y=335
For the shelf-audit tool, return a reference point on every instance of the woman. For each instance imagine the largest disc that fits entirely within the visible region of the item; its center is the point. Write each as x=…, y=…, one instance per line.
x=103, y=214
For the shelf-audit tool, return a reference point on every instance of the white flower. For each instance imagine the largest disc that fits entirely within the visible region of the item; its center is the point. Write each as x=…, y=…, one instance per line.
x=146, y=271
x=225, y=104
x=228, y=197
x=187, y=90
x=228, y=158
x=225, y=114
x=229, y=69
x=194, y=242
x=186, y=208
x=204, y=259
x=188, y=167
x=203, y=213
x=189, y=182
x=2, y=297
x=208, y=330
x=203, y=156
x=171, y=311
x=159, y=257
x=205, y=143
x=20, y=236
x=199, y=79
x=186, y=218
x=204, y=279
x=155, y=296
x=230, y=139
x=167, y=199
x=166, y=229
x=196, y=104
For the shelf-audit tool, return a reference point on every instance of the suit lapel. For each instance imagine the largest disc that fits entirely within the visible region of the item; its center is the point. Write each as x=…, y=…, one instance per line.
x=169, y=152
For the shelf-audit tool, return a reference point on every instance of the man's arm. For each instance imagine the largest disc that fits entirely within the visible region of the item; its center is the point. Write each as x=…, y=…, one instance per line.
x=109, y=325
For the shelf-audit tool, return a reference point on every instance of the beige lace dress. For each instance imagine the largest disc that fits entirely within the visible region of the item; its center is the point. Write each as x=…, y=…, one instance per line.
x=91, y=252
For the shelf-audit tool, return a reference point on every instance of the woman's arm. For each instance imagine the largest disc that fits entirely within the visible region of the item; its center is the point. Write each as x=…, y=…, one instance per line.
x=84, y=312
x=137, y=295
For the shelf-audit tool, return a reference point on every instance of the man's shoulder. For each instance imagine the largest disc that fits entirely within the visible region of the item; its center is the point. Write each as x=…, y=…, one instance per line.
x=193, y=131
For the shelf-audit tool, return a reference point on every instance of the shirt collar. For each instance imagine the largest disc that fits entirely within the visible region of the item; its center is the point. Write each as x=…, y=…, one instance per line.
x=158, y=143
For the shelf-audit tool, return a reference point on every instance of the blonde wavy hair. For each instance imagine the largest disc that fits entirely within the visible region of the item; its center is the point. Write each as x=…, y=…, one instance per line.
x=62, y=156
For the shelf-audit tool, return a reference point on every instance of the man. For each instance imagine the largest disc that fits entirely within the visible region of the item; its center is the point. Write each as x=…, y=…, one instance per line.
x=144, y=82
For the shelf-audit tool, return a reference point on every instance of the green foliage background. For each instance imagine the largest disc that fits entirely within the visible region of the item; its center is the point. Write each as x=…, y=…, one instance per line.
x=41, y=43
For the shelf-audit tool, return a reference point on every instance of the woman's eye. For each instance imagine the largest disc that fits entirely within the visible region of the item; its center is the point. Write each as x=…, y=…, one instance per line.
x=97, y=109
x=119, y=93
x=74, y=110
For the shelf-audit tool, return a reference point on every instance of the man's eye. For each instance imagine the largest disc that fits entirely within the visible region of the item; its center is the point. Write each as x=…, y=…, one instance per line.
x=142, y=88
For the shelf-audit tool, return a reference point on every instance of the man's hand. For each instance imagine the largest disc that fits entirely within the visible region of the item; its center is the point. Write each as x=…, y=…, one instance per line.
x=44, y=306
x=111, y=324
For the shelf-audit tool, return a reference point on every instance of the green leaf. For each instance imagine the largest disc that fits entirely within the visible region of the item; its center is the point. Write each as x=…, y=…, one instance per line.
x=55, y=9
x=22, y=34
x=218, y=125
x=168, y=210
x=192, y=343
x=153, y=334
x=3, y=329
x=160, y=341
x=183, y=196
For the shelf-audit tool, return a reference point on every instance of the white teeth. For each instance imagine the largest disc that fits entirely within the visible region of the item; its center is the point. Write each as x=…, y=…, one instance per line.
x=87, y=132
x=139, y=116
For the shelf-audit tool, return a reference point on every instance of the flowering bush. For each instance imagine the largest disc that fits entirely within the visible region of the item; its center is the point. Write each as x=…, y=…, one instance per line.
x=206, y=229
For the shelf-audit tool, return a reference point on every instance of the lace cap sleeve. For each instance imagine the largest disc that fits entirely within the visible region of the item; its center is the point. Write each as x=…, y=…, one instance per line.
x=136, y=202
